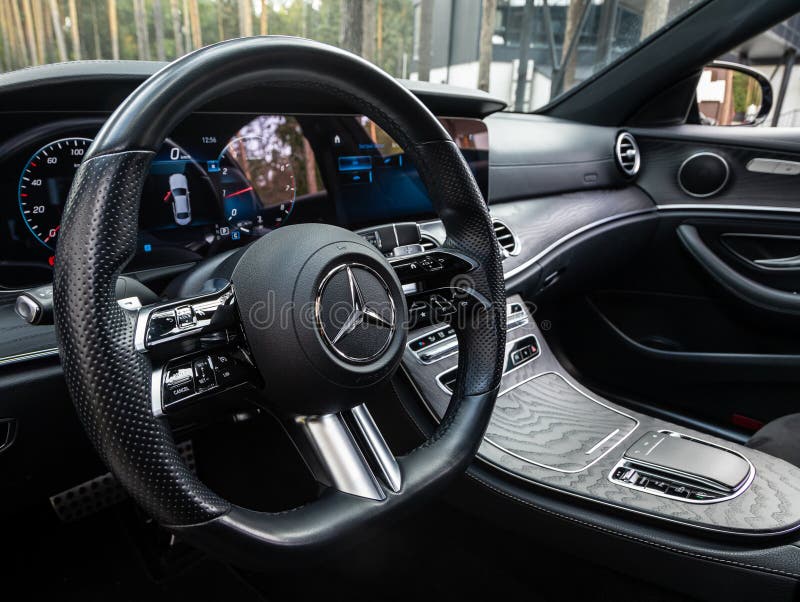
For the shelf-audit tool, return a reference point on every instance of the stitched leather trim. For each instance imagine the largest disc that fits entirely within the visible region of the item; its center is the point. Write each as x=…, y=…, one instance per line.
x=652, y=544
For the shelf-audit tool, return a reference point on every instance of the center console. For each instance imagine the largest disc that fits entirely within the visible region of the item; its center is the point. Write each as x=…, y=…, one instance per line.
x=551, y=432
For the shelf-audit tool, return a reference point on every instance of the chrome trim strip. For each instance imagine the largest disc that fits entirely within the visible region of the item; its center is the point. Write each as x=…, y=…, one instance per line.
x=726, y=207
x=599, y=444
x=525, y=265
x=637, y=162
x=31, y=355
x=155, y=391
x=426, y=228
x=529, y=262
x=374, y=440
x=601, y=456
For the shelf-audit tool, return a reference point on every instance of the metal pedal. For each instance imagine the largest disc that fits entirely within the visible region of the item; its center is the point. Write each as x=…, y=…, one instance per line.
x=101, y=492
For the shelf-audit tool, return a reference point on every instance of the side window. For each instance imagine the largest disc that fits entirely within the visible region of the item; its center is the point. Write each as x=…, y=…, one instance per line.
x=757, y=83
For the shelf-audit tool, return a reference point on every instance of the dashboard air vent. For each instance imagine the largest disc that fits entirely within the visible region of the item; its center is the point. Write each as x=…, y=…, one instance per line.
x=626, y=151
x=507, y=239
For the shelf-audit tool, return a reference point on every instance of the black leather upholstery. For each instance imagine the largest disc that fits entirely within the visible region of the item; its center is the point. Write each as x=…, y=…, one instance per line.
x=779, y=438
x=110, y=382
x=701, y=567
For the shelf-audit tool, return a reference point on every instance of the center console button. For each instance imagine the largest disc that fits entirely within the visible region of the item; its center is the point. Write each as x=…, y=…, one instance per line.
x=678, y=491
x=702, y=495
x=658, y=486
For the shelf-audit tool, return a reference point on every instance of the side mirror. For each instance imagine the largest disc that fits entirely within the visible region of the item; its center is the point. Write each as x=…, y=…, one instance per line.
x=731, y=94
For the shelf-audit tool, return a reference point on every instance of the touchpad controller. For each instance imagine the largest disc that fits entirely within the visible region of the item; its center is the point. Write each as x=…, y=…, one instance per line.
x=674, y=465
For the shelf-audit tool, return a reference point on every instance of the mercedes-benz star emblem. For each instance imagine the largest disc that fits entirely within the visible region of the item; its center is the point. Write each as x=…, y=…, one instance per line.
x=354, y=328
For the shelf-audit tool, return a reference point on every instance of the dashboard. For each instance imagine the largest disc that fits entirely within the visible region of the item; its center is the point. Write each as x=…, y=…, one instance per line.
x=219, y=181
x=567, y=215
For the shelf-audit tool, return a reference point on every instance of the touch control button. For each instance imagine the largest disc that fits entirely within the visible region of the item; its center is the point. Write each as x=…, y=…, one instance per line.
x=228, y=371
x=178, y=383
x=186, y=317
x=161, y=324
x=204, y=374
x=178, y=375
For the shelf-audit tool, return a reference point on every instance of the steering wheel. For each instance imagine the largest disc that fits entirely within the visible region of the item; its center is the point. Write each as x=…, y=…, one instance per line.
x=343, y=315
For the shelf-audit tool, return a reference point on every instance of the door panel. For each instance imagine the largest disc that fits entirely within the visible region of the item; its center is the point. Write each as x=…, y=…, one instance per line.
x=706, y=320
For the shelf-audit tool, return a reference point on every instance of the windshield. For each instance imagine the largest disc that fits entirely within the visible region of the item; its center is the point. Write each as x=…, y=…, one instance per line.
x=526, y=52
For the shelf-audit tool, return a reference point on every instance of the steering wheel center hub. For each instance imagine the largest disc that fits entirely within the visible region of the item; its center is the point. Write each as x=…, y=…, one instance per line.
x=321, y=304
x=355, y=312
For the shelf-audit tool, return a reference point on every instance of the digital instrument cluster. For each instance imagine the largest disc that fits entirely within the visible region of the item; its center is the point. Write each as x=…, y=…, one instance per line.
x=221, y=180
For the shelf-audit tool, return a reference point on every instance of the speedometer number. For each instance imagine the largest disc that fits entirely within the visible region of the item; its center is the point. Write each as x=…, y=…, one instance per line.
x=44, y=185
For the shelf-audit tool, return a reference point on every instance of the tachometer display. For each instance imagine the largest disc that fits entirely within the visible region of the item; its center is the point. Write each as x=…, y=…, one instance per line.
x=256, y=177
x=44, y=185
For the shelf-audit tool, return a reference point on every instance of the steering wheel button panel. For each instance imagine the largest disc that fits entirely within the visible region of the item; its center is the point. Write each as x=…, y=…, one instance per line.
x=183, y=319
x=217, y=372
x=226, y=370
x=427, y=265
x=186, y=317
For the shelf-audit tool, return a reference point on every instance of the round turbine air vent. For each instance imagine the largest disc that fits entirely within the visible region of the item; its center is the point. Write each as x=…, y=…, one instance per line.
x=627, y=154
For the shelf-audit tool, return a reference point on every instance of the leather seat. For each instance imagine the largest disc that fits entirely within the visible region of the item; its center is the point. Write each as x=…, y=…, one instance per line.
x=779, y=438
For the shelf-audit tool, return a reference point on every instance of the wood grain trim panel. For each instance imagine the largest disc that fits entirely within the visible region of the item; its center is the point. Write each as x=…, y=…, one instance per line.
x=770, y=506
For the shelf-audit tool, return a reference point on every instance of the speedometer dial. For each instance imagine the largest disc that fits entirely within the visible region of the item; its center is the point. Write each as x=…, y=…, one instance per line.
x=44, y=184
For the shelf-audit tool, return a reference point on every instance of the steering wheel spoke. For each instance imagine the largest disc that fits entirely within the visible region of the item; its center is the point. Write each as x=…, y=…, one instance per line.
x=347, y=451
